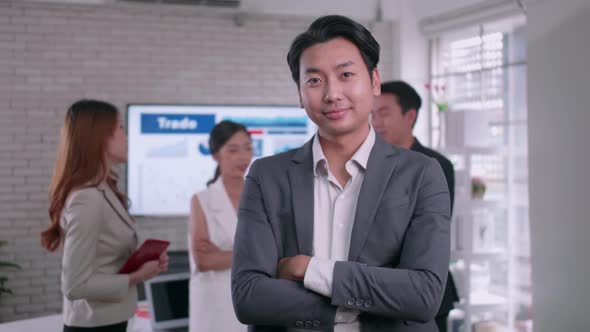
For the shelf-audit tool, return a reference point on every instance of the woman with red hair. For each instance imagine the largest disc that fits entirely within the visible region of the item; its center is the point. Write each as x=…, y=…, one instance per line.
x=89, y=216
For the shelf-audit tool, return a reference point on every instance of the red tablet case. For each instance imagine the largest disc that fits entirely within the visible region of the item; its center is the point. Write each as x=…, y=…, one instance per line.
x=150, y=250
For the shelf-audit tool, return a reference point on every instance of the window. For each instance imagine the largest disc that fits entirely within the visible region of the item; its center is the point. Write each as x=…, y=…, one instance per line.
x=479, y=120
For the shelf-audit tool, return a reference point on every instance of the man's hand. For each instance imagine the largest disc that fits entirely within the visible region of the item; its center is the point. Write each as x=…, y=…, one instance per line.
x=293, y=268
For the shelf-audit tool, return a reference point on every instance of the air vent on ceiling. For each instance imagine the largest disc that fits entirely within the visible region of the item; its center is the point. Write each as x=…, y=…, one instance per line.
x=209, y=3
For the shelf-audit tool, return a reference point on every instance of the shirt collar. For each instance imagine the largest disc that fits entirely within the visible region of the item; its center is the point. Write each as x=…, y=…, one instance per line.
x=361, y=156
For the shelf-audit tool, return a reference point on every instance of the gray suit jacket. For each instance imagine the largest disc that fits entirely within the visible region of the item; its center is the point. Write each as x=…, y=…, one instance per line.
x=399, y=251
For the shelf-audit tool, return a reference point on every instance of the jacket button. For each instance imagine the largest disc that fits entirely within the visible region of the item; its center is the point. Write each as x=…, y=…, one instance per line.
x=299, y=323
x=316, y=323
x=359, y=303
x=350, y=301
x=368, y=304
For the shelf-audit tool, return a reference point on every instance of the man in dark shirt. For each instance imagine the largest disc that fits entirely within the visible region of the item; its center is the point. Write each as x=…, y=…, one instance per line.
x=394, y=115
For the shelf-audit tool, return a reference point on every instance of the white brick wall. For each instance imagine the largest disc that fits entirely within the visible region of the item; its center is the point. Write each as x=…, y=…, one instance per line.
x=52, y=55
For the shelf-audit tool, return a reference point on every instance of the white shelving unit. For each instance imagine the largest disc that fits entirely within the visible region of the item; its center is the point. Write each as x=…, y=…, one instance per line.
x=483, y=132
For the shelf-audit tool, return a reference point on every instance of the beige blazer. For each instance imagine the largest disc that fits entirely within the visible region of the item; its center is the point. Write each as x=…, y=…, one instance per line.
x=99, y=236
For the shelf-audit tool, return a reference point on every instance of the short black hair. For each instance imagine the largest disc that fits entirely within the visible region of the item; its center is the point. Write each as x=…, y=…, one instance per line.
x=407, y=97
x=327, y=28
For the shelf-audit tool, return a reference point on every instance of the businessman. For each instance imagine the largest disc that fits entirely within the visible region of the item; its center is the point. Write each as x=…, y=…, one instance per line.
x=348, y=232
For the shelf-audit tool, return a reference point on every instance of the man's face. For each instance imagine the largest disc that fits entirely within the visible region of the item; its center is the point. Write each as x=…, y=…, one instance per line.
x=389, y=121
x=335, y=87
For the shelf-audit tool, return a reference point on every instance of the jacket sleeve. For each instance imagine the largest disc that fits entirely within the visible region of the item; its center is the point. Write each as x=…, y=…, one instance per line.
x=258, y=297
x=413, y=289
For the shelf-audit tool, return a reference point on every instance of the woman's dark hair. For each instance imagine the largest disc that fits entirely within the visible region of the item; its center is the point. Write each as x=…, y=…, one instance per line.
x=219, y=135
x=327, y=28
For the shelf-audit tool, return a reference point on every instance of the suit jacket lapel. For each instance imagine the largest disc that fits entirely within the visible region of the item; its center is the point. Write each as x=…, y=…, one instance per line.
x=302, y=194
x=380, y=167
x=116, y=205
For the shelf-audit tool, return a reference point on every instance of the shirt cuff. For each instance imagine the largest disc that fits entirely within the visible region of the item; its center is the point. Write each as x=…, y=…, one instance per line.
x=319, y=276
x=345, y=315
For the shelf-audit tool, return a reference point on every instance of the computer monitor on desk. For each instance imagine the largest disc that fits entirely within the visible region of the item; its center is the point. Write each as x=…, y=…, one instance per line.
x=167, y=297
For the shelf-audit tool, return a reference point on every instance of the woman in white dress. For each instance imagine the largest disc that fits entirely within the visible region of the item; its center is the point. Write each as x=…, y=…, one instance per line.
x=212, y=227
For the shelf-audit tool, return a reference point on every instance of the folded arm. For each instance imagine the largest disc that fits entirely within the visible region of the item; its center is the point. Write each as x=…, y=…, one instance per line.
x=259, y=297
x=413, y=289
x=208, y=257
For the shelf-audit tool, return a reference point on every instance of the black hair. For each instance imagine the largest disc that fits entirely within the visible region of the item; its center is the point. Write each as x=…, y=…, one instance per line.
x=219, y=135
x=407, y=97
x=327, y=28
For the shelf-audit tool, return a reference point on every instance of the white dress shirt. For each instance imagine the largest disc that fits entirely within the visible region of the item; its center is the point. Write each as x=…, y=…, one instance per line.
x=334, y=211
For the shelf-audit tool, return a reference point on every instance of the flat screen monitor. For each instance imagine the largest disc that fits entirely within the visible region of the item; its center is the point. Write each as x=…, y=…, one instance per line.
x=167, y=297
x=169, y=158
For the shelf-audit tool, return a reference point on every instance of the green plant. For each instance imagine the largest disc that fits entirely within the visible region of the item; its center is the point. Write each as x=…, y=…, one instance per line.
x=478, y=187
x=442, y=106
x=437, y=92
x=3, y=279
